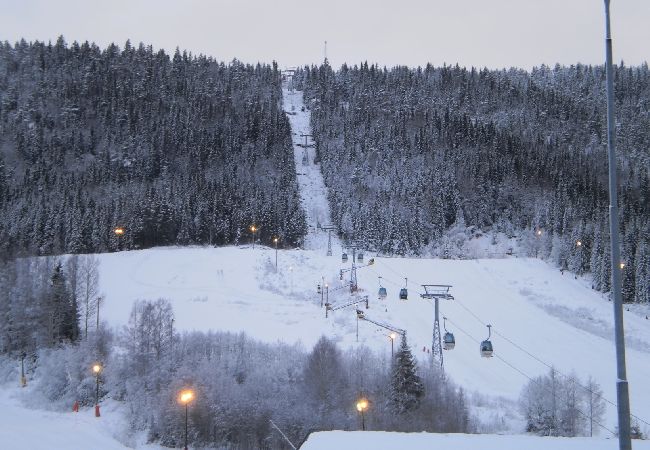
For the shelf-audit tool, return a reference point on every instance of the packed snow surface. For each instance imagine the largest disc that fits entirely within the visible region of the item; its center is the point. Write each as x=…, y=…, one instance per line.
x=22, y=428
x=538, y=315
x=313, y=193
x=381, y=440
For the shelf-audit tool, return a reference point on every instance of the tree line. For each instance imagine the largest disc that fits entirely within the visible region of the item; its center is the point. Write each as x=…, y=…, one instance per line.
x=176, y=149
x=408, y=154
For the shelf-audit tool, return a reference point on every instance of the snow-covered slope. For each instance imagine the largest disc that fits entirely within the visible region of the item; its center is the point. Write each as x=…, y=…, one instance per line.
x=534, y=309
x=313, y=193
x=22, y=428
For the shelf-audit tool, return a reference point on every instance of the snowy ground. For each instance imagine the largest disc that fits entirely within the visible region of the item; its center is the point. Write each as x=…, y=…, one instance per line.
x=539, y=316
x=313, y=193
x=378, y=440
x=22, y=428
x=534, y=310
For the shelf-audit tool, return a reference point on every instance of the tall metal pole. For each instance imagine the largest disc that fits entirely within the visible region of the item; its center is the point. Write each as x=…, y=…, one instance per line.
x=357, y=327
x=97, y=414
x=186, y=425
x=622, y=394
x=99, y=300
x=436, y=344
x=23, y=380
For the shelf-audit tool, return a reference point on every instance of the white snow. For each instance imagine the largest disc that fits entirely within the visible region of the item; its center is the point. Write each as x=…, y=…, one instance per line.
x=539, y=317
x=22, y=428
x=379, y=440
x=554, y=317
x=313, y=193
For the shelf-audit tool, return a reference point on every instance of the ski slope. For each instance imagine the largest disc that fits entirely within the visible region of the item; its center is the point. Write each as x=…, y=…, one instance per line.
x=313, y=193
x=534, y=310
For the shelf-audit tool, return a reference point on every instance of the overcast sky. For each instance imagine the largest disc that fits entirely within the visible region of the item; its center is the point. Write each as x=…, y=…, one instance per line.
x=492, y=33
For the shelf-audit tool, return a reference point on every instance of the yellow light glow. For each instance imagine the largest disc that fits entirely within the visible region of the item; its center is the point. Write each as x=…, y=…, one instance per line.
x=275, y=240
x=97, y=368
x=186, y=396
x=539, y=232
x=622, y=265
x=119, y=231
x=253, y=228
x=579, y=243
x=393, y=336
x=362, y=405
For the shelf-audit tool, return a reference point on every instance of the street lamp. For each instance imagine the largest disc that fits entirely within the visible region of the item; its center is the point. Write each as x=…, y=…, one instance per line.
x=392, y=337
x=622, y=265
x=97, y=368
x=184, y=398
x=119, y=232
x=579, y=244
x=253, y=229
x=275, y=241
x=362, y=406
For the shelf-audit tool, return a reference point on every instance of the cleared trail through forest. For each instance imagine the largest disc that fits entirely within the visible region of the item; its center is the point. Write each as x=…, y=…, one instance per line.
x=313, y=193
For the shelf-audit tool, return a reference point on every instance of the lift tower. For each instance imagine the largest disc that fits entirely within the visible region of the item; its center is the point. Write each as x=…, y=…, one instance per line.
x=437, y=292
x=305, y=146
x=329, y=229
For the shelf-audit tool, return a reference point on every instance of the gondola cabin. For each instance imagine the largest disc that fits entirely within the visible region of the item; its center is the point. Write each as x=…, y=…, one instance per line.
x=382, y=293
x=360, y=257
x=486, y=349
x=448, y=341
x=360, y=314
x=403, y=294
x=344, y=257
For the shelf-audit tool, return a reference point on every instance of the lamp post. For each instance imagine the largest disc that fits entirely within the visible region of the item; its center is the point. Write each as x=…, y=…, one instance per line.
x=253, y=229
x=275, y=241
x=184, y=398
x=538, y=235
x=97, y=368
x=392, y=337
x=622, y=393
x=119, y=232
x=362, y=405
x=23, y=380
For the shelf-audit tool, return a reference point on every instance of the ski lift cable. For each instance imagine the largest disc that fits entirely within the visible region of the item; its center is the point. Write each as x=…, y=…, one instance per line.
x=559, y=372
x=496, y=332
x=524, y=374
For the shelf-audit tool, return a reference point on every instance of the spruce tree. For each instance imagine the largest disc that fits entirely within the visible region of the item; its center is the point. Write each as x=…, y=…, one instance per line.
x=406, y=388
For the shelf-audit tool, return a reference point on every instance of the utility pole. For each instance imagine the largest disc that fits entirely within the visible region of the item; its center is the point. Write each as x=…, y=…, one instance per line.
x=99, y=300
x=622, y=393
x=437, y=292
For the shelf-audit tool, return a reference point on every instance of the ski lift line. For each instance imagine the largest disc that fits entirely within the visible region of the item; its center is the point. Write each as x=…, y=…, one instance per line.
x=519, y=347
x=496, y=332
x=524, y=374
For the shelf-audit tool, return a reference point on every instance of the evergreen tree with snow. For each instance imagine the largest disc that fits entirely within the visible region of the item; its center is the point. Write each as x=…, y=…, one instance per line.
x=406, y=388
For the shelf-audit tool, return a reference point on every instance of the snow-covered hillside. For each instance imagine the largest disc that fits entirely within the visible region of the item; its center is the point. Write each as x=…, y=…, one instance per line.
x=538, y=315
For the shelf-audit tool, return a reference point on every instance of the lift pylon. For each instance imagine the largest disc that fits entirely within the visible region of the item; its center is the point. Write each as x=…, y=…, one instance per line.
x=437, y=292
